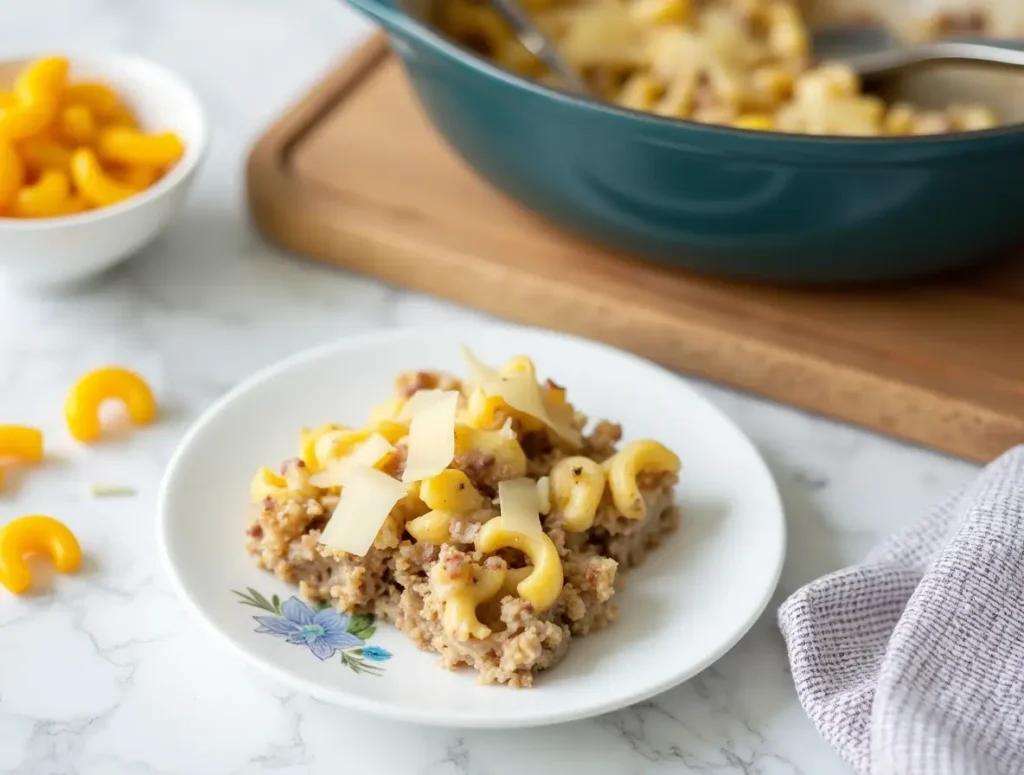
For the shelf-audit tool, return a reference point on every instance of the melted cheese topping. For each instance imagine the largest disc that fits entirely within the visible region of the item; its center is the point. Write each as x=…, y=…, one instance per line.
x=519, y=501
x=431, y=438
x=369, y=454
x=366, y=502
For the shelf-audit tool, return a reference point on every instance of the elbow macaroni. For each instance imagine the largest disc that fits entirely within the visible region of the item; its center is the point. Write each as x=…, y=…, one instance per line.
x=626, y=465
x=742, y=63
x=577, y=486
x=65, y=148
x=543, y=584
x=82, y=407
x=448, y=494
x=450, y=490
x=461, y=595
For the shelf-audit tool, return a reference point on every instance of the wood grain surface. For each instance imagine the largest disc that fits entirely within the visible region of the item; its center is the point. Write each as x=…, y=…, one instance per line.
x=354, y=175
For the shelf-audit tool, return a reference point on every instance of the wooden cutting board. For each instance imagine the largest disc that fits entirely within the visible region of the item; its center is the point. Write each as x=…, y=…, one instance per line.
x=354, y=175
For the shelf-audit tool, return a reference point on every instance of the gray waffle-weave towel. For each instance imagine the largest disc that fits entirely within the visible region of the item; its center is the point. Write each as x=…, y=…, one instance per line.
x=912, y=662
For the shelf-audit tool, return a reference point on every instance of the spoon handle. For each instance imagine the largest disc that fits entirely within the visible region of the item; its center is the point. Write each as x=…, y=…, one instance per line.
x=537, y=43
x=1005, y=53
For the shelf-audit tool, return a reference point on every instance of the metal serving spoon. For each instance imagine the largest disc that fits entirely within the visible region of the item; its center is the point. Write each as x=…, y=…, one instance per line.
x=537, y=43
x=874, y=52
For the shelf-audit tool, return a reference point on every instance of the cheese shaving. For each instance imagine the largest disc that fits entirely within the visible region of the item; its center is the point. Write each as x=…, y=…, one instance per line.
x=520, y=505
x=479, y=371
x=420, y=400
x=368, y=454
x=365, y=504
x=431, y=439
x=522, y=393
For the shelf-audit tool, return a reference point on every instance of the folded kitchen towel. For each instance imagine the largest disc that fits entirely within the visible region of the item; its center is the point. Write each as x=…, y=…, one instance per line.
x=912, y=662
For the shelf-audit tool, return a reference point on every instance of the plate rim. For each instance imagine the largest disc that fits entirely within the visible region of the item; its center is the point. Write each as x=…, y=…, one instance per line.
x=385, y=709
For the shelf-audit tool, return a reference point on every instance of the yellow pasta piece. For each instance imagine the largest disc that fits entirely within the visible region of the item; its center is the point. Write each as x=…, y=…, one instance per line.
x=899, y=120
x=48, y=197
x=543, y=585
x=653, y=12
x=754, y=121
x=77, y=124
x=43, y=153
x=94, y=183
x=462, y=596
x=624, y=467
x=971, y=118
x=99, y=98
x=507, y=453
x=136, y=175
x=434, y=527
x=266, y=483
x=451, y=490
x=111, y=383
x=12, y=173
x=603, y=35
x=787, y=34
x=37, y=91
x=577, y=486
x=308, y=439
x=641, y=92
x=127, y=146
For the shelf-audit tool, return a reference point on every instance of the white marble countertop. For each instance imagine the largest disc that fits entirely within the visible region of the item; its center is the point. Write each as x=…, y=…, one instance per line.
x=107, y=675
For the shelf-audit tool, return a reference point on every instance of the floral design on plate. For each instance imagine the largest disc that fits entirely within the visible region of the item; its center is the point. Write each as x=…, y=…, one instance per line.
x=322, y=629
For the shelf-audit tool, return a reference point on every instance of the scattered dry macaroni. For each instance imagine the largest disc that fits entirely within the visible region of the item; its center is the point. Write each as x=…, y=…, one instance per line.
x=82, y=408
x=20, y=443
x=35, y=535
x=70, y=147
x=743, y=63
x=500, y=552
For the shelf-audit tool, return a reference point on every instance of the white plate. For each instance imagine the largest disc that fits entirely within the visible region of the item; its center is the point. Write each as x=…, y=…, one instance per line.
x=683, y=609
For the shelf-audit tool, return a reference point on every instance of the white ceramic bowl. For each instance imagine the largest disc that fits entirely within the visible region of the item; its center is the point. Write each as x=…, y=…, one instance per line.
x=55, y=251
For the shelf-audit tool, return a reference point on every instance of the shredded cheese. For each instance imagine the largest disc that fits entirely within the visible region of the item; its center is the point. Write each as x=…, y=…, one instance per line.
x=369, y=454
x=366, y=502
x=431, y=439
x=520, y=505
x=420, y=400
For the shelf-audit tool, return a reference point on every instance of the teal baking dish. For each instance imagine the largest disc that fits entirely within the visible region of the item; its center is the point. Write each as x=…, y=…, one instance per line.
x=729, y=202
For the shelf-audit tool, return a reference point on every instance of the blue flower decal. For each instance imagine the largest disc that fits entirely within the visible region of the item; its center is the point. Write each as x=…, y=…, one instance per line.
x=323, y=630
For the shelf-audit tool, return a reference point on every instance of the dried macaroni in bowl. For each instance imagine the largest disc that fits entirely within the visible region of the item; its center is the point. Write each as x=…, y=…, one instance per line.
x=475, y=515
x=743, y=63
